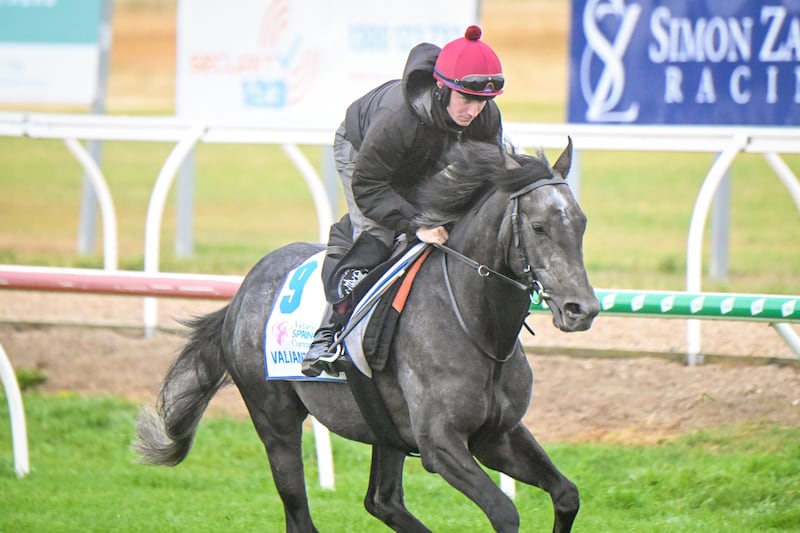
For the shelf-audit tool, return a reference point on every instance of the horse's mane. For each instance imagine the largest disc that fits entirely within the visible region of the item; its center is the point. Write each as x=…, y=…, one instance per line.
x=475, y=169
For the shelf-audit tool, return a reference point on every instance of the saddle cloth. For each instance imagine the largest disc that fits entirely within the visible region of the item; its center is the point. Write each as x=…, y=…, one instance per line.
x=295, y=317
x=297, y=312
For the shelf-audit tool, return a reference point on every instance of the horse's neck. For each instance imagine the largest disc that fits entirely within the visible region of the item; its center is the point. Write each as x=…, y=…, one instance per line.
x=478, y=236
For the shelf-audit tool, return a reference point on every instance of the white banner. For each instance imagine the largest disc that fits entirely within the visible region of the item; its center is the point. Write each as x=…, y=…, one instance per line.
x=49, y=51
x=300, y=63
x=48, y=74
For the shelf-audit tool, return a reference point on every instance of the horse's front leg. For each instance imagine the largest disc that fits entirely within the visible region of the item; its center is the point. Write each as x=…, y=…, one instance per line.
x=444, y=451
x=385, y=499
x=517, y=453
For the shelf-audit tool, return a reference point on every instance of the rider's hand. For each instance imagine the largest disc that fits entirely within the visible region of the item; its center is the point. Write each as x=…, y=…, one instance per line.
x=437, y=235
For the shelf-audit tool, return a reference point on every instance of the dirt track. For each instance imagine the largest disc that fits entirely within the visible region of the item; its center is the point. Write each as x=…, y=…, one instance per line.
x=623, y=399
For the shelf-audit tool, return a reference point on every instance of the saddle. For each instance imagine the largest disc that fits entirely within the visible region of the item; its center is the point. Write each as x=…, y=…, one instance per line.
x=379, y=299
x=377, y=333
x=300, y=303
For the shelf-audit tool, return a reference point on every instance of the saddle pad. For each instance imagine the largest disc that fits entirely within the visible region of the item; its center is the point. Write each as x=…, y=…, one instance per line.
x=295, y=317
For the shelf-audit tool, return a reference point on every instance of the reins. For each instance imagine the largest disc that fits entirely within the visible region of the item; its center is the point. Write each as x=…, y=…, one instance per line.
x=483, y=270
x=532, y=287
x=454, y=303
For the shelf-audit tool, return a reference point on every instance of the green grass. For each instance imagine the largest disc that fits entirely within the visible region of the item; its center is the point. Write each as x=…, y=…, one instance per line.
x=639, y=207
x=737, y=480
x=251, y=199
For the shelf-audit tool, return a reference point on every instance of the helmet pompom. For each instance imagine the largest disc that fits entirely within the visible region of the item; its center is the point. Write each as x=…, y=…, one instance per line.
x=473, y=33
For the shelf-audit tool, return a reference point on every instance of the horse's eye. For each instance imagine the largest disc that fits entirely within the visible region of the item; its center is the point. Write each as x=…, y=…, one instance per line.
x=538, y=228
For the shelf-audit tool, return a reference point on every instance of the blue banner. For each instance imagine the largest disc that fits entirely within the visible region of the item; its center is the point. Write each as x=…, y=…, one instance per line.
x=727, y=62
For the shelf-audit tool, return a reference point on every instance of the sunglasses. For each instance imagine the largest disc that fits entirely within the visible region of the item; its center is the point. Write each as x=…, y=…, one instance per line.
x=478, y=83
x=481, y=84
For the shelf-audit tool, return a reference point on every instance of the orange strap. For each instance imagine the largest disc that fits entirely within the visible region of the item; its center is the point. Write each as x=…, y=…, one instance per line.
x=405, y=287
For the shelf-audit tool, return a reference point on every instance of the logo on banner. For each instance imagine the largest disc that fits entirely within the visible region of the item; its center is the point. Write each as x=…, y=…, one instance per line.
x=604, y=94
x=296, y=64
x=273, y=67
x=288, y=63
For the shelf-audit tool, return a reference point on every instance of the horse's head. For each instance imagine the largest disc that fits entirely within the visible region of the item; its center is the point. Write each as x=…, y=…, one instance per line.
x=543, y=233
x=517, y=214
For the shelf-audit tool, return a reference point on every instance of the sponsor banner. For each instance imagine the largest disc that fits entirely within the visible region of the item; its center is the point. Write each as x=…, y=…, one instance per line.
x=727, y=62
x=287, y=63
x=49, y=51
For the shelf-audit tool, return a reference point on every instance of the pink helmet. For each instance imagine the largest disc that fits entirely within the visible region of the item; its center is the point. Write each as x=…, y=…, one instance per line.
x=470, y=66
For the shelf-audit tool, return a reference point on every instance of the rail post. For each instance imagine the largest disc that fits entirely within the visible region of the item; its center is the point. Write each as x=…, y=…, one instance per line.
x=19, y=433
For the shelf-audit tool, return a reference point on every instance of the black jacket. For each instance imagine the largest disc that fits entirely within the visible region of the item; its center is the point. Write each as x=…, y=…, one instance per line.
x=401, y=130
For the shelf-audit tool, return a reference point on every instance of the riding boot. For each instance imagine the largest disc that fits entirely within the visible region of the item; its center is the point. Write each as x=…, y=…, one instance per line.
x=321, y=355
x=321, y=345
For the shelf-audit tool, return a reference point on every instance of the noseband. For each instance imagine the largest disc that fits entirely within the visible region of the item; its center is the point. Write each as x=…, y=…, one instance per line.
x=531, y=285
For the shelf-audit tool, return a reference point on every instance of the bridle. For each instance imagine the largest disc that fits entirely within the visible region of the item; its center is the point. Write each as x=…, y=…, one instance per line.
x=516, y=232
x=530, y=285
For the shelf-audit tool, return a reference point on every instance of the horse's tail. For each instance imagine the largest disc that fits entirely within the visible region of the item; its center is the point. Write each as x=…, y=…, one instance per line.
x=165, y=433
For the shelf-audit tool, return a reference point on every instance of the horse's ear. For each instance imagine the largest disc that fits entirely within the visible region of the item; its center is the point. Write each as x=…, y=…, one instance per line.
x=564, y=160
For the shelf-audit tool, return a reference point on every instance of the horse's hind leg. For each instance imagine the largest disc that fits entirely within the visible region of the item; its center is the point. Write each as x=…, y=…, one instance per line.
x=278, y=419
x=518, y=454
x=385, y=499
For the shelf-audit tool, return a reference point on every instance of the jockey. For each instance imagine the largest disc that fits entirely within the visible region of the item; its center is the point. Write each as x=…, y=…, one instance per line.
x=391, y=139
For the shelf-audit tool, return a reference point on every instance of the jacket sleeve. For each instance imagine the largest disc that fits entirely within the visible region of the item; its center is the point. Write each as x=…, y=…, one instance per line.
x=382, y=153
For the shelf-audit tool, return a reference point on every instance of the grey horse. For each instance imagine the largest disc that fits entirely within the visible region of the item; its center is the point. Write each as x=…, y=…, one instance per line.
x=457, y=382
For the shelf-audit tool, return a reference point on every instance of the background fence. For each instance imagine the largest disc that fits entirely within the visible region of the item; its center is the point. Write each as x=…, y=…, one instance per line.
x=692, y=305
x=726, y=142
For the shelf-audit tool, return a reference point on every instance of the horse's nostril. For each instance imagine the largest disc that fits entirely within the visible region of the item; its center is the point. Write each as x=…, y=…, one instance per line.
x=573, y=309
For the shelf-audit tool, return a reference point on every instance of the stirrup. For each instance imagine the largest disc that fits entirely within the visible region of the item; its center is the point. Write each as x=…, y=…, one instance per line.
x=334, y=355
